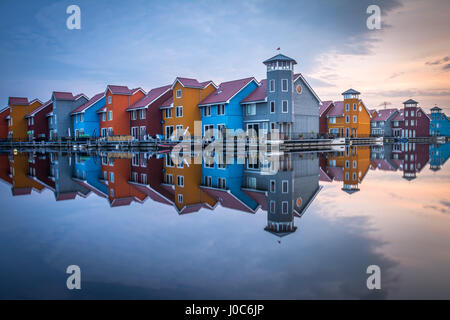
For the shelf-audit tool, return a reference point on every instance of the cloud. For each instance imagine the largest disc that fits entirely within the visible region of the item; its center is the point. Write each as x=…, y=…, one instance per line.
x=446, y=67
x=438, y=62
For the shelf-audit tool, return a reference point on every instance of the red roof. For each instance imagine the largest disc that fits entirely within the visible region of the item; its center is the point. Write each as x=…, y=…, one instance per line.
x=167, y=103
x=227, y=199
x=192, y=83
x=259, y=94
x=118, y=202
x=383, y=114
x=18, y=101
x=336, y=173
x=66, y=196
x=5, y=109
x=323, y=176
x=101, y=110
x=158, y=194
x=21, y=191
x=260, y=197
x=124, y=90
x=226, y=91
x=324, y=106
x=36, y=111
x=88, y=104
x=399, y=117
x=63, y=95
x=149, y=98
x=337, y=110
x=382, y=165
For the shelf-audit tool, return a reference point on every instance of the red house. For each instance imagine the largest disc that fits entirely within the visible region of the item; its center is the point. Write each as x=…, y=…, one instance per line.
x=323, y=120
x=37, y=122
x=4, y=116
x=145, y=114
x=417, y=122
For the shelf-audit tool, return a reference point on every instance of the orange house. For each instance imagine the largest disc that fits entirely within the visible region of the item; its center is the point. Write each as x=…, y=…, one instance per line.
x=4, y=119
x=181, y=111
x=114, y=119
x=21, y=183
x=185, y=181
x=18, y=109
x=356, y=116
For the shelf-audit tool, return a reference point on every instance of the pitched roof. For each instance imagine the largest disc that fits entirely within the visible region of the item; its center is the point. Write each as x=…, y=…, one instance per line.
x=167, y=103
x=122, y=90
x=399, y=117
x=436, y=108
x=258, y=196
x=150, y=97
x=192, y=83
x=384, y=114
x=35, y=111
x=227, y=199
x=226, y=91
x=101, y=110
x=18, y=101
x=88, y=104
x=4, y=109
x=410, y=101
x=337, y=110
x=299, y=75
x=279, y=57
x=63, y=95
x=324, y=106
x=259, y=94
x=351, y=91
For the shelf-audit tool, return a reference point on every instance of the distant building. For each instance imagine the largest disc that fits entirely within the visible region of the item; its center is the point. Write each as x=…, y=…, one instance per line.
x=85, y=119
x=18, y=109
x=356, y=115
x=37, y=122
x=416, y=121
x=381, y=122
x=397, y=124
x=440, y=123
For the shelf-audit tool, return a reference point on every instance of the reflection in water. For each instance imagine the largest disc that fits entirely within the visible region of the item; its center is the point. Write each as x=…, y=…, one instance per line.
x=158, y=185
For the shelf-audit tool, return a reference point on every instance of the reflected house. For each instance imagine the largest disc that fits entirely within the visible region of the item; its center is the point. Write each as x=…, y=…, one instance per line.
x=5, y=170
x=221, y=109
x=415, y=157
x=181, y=111
x=22, y=184
x=184, y=181
x=115, y=175
x=40, y=170
x=87, y=173
x=381, y=122
x=381, y=158
x=59, y=119
x=37, y=123
x=440, y=123
x=114, y=120
x=416, y=121
x=85, y=120
x=145, y=114
x=223, y=181
x=284, y=101
x=4, y=119
x=285, y=194
x=18, y=109
x=439, y=153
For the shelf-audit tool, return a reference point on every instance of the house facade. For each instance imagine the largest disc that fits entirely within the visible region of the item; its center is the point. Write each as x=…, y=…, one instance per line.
x=145, y=114
x=85, y=120
x=439, y=123
x=60, y=120
x=221, y=109
x=182, y=111
x=37, y=122
x=4, y=118
x=18, y=109
x=114, y=119
x=335, y=119
x=356, y=116
x=397, y=124
x=381, y=122
x=323, y=120
x=416, y=121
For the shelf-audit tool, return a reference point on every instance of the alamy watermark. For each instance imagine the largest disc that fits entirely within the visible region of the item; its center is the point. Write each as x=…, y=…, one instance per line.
x=74, y=20
x=374, y=280
x=373, y=22
x=74, y=280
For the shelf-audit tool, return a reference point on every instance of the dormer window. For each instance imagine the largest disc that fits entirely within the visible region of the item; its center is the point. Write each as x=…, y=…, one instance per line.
x=109, y=99
x=178, y=93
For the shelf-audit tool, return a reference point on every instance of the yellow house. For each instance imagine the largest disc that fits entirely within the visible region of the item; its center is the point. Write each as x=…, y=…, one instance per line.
x=181, y=111
x=22, y=184
x=356, y=116
x=17, y=124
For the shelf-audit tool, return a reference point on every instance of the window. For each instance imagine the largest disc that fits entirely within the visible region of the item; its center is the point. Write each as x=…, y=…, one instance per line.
x=220, y=109
x=354, y=163
x=272, y=186
x=179, y=93
x=111, y=176
x=179, y=111
x=284, y=85
x=347, y=107
x=103, y=116
x=180, y=198
x=133, y=115
x=347, y=119
x=272, y=206
x=207, y=111
x=406, y=113
x=179, y=130
x=354, y=176
x=169, y=179
x=110, y=132
x=134, y=176
x=143, y=131
x=347, y=176
x=412, y=113
x=143, y=114
x=111, y=192
x=251, y=182
x=412, y=122
x=272, y=85
x=110, y=115
x=284, y=108
x=355, y=119
x=272, y=106
x=143, y=178
x=208, y=181
x=284, y=207
x=347, y=163
x=354, y=107
x=332, y=120
x=221, y=183
x=251, y=109
x=81, y=117
x=406, y=123
x=180, y=181
x=285, y=186
x=109, y=99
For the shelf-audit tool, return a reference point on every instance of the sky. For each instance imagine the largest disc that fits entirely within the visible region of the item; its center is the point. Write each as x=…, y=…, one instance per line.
x=141, y=43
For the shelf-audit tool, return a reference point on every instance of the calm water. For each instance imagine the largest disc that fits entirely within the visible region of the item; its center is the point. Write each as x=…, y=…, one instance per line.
x=309, y=231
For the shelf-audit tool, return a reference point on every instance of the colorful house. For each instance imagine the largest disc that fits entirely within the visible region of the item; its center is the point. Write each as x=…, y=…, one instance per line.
x=87, y=173
x=415, y=157
x=323, y=120
x=145, y=114
x=440, y=123
x=85, y=120
x=397, y=124
x=114, y=120
x=181, y=111
x=37, y=122
x=21, y=183
x=335, y=119
x=4, y=119
x=40, y=170
x=18, y=109
x=416, y=121
x=221, y=109
x=60, y=119
x=439, y=153
x=356, y=115
x=381, y=122
x=288, y=104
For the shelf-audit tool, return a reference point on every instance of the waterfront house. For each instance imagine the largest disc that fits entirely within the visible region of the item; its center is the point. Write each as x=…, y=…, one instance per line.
x=4, y=118
x=416, y=121
x=114, y=120
x=415, y=157
x=21, y=182
x=335, y=119
x=221, y=109
x=439, y=153
x=397, y=124
x=40, y=170
x=87, y=173
x=85, y=120
x=440, y=123
x=181, y=112
x=325, y=107
x=18, y=109
x=356, y=115
x=381, y=122
x=37, y=122
x=288, y=104
x=60, y=120
x=145, y=114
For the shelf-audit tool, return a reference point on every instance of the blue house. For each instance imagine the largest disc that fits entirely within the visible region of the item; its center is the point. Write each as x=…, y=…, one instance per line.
x=221, y=109
x=87, y=173
x=439, y=153
x=440, y=123
x=85, y=120
x=223, y=182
